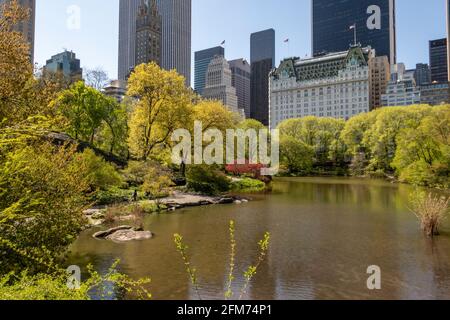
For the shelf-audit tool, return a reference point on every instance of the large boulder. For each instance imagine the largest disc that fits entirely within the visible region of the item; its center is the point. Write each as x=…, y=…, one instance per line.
x=106, y=233
x=129, y=235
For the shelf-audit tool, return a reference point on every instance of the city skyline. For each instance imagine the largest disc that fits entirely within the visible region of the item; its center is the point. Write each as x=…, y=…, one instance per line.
x=96, y=42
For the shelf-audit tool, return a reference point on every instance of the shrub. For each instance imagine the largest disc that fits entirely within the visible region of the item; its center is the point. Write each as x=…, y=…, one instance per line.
x=42, y=195
x=248, y=185
x=100, y=174
x=207, y=180
x=431, y=210
x=115, y=195
x=54, y=286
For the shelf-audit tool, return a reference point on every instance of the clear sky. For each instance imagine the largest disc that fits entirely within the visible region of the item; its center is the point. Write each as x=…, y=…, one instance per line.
x=95, y=38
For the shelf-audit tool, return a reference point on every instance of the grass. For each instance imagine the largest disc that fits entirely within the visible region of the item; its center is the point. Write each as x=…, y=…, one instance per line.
x=431, y=210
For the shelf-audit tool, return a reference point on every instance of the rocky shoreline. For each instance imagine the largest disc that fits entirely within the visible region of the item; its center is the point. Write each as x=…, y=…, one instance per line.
x=178, y=200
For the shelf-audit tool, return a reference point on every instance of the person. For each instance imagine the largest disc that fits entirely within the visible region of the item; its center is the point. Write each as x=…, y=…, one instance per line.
x=135, y=195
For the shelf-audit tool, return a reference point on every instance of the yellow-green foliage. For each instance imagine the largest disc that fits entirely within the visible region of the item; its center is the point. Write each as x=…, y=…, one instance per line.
x=410, y=142
x=41, y=195
x=100, y=174
x=54, y=286
x=164, y=105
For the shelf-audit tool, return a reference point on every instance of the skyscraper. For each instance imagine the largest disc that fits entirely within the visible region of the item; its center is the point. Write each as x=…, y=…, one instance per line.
x=240, y=79
x=262, y=54
x=422, y=74
x=65, y=63
x=128, y=10
x=148, y=33
x=218, y=84
x=438, y=60
x=379, y=69
x=176, y=18
x=176, y=36
x=202, y=60
x=335, y=22
x=27, y=28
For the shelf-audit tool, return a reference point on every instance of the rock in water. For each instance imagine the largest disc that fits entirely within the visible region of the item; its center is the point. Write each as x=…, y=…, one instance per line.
x=106, y=233
x=129, y=235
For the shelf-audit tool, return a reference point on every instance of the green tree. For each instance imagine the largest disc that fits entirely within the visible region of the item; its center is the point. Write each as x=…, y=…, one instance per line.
x=162, y=105
x=84, y=108
x=422, y=154
x=296, y=155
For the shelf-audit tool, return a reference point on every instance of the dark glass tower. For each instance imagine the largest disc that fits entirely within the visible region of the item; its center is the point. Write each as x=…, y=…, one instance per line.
x=374, y=21
x=438, y=60
x=202, y=60
x=262, y=55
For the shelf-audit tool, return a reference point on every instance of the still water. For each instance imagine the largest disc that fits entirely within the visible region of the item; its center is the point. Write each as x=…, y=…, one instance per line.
x=325, y=233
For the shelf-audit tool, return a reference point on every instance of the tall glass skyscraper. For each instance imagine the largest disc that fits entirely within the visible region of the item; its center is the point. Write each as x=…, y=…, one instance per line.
x=175, y=38
x=438, y=60
x=335, y=21
x=202, y=60
x=262, y=57
x=128, y=10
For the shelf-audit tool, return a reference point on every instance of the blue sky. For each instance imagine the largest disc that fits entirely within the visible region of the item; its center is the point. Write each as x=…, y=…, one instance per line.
x=213, y=21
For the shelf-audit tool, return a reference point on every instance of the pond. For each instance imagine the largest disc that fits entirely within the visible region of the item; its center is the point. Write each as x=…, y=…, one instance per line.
x=325, y=233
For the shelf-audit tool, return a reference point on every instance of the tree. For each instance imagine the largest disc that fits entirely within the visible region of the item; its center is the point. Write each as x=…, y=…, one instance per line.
x=157, y=183
x=97, y=78
x=422, y=154
x=296, y=155
x=85, y=110
x=214, y=115
x=15, y=66
x=42, y=193
x=163, y=104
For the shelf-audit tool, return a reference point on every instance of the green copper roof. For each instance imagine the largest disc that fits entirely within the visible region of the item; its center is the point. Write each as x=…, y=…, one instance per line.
x=321, y=67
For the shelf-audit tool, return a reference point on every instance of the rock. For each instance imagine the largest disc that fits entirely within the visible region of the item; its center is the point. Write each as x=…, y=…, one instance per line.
x=238, y=202
x=244, y=200
x=129, y=235
x=106, y=233
x=225, y=201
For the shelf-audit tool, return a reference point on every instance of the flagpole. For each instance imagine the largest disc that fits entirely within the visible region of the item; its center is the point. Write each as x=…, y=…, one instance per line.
x=354, y=31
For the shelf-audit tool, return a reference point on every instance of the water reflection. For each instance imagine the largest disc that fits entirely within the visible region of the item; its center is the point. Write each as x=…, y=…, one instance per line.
x=325, y=233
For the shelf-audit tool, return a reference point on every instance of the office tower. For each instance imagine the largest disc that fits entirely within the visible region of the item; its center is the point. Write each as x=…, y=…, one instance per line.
x=438, y=60
x=435, y=94
x=379, y=78
x=128, y=10
x=262, y=59
x=202, y=60
x=402, y=89
x=334, y=24
x=335, y=85
x=422, y=74
x=176, y=36
x=240, y=79
x=218, y=84
x=27, y=28
x=65, y=63
x=148, y=33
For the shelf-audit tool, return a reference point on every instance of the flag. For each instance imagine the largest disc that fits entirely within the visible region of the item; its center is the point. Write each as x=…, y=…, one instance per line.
x=286, y=40
x=223, y=42
x=352, y=27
